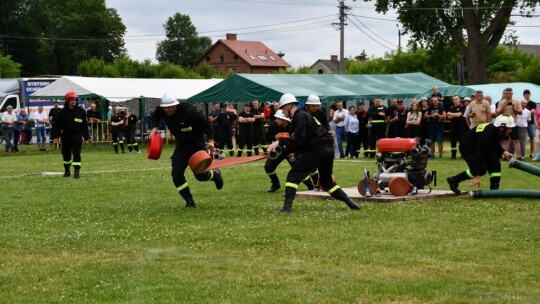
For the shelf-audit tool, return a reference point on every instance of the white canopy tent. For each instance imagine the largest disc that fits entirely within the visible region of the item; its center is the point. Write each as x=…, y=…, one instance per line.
x=122, y=89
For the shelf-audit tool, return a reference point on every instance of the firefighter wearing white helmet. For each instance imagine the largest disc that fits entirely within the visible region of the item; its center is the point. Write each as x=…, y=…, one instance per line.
x=481, y=148
x=279, y=126
x=313, y=100
x=315, y=146
x=189, y=127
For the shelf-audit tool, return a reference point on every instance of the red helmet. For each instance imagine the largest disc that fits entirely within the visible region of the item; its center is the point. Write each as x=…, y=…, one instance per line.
x=70, y=94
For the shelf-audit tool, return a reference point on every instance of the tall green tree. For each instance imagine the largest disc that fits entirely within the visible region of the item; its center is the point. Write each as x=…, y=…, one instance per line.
x=474, y=27
x=54, y=36
x=9, y=68
x=183, y=46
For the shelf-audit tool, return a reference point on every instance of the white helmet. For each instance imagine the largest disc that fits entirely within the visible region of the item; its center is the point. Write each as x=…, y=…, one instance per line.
x=313, y=100
x=279, y=114
x=504, y=120
x=287, y=98
x=168, y=100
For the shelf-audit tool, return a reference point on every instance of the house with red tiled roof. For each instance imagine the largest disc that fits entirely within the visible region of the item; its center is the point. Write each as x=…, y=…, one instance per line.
x=252, y=57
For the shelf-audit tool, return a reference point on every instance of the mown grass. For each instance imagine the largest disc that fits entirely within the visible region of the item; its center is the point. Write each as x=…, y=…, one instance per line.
x=121, y=234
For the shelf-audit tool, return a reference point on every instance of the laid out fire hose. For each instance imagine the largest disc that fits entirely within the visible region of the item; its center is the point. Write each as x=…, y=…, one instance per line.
x=518, y=193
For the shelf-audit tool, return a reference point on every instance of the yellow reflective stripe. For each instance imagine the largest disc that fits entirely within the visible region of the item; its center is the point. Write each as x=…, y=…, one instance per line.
x=272, y=173
x=316, y=120
x=333, y=189
x=182, y=187
x=67, y=163
x=78, y=119
x=495, y=174
x=295, y=186
x=480, y=127
x=377, y=121
x=186, y=129
x=76, y=164
x=211, y=174
x=307, y=177
x=315, y=172
x=469, y=173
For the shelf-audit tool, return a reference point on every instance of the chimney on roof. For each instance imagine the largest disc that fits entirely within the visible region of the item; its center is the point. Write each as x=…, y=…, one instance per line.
x=334, y=58
x=231, y=36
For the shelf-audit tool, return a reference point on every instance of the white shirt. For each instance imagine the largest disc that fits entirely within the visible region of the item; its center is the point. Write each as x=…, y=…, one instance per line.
x=340, y=113
x=6, y=117
x=40, y=116
x=524, y=118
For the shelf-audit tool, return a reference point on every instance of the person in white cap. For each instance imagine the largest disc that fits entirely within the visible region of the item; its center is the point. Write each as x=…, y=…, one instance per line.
x=316, y=148
x=279, y=126
x=189, y=127
x=481, y=148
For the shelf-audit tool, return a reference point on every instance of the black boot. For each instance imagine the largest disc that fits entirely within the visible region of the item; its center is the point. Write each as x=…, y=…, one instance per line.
x=76, y=173
x=275, y=183
x=67, y=173
x=309, y=183
x=217, y=179
x=190, y=203
x=342, y=196
x=287, y=206
x=453, y=184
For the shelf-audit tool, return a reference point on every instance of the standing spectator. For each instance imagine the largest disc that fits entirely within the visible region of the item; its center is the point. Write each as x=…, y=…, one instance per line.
x=130, y=128
x=41, y=120
x=522, y=125
x=234, y=129
x=377, y=118
x=22, y=126
x=531, y=127
x=363, y=133
x=312, y=141
x=52, y=114
x=435, y=93
x=511, y=107
x=424, y=125
x=481, y=149
x=212, y=116
x=245, y=131
x=225, y=121
x=339, y=120
x=478, y=111
x=94, y=119
x=390, y=114
x=352, y=127
x=537, y=140
x=267, y=113
x=8, y=121
x=259, y=141
x=117, y=126
x=492, y=108
x=457, y=124
x=332, y=126
x=71, y=126
x=189, y=127
x=273, y=110
x=397, y=123
x=436, y=114
x=414, y=119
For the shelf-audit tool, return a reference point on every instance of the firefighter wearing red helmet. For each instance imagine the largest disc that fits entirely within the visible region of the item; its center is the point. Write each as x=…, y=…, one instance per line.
x=71, y=126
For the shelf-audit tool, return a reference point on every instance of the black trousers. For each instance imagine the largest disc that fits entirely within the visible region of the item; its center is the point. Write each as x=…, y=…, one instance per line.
x=71, y=149
x=180, y=159
x=377, y=131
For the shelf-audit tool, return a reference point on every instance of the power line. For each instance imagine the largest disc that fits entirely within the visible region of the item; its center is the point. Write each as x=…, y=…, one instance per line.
x=373, y=32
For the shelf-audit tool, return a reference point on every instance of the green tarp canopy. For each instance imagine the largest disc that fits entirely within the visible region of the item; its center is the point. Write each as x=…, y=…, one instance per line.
x=270, y=87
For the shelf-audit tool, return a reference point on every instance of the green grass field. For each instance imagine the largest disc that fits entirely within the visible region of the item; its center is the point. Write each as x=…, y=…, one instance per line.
x=120, y=234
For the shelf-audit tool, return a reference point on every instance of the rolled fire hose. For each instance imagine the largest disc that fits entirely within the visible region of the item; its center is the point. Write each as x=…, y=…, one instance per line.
x=504, y=194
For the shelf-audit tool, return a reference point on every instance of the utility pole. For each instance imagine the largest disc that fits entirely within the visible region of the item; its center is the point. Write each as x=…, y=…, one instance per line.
x=399, y=37
x=342, y=16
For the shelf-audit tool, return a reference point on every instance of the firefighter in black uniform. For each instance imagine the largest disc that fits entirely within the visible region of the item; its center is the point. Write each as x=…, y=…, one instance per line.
x=130, y=128
x=245, y=131
x=457, y=123
x=481, y=149
x=259, y=140
x=189, y=127
x=363, y=134
x=315, y=149
x=280, y=125
x=71, y=126
x=118, y=120
x=377, y=118
x=225, y=122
